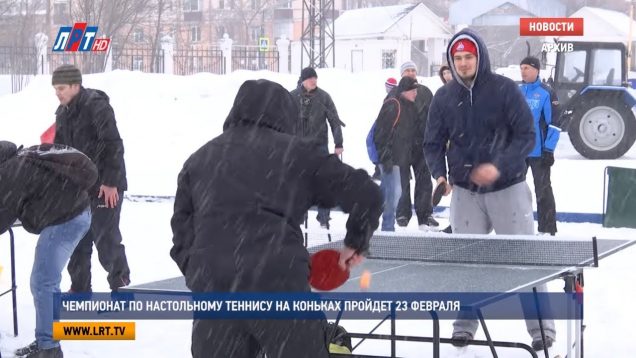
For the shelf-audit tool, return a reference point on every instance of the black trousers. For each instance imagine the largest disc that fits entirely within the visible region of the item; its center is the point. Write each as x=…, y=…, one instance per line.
x=105, y=234
x=247, y=338
x=423, y=189
x=546, y=207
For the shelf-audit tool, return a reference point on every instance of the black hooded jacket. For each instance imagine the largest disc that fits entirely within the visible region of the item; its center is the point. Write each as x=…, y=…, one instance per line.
x=43, y=185
x=88, y=124
x=241, y=199
x=488, y=122
x=395, y=130
x=316, y=109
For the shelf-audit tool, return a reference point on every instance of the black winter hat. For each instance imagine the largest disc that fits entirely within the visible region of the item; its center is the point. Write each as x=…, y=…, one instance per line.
x=306, y=73
x=532, y=61
x=7, y=150
x=66, y=75
x=407, y=84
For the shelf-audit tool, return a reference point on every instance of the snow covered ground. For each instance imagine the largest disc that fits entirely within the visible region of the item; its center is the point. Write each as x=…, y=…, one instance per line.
x=163, y=119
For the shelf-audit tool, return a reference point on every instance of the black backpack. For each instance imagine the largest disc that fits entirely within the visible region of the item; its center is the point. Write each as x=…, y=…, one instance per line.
x=64, y=161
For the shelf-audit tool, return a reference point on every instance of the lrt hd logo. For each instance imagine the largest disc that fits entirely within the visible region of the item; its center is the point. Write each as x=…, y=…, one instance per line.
x=80, y=37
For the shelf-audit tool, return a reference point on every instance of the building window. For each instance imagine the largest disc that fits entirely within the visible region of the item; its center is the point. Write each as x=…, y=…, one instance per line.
x=138, y=35
x=220, y=30
x=388, y=58
x=255, y=33
x=195, y=34
x=60, y=13
x=349, y=4
x=138, y=63
x=191, y=5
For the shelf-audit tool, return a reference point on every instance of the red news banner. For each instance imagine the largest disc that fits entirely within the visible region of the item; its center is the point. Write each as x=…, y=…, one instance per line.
x=550, y=26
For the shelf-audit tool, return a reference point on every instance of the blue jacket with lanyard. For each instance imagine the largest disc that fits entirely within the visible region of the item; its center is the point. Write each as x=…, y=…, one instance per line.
x=541, y=100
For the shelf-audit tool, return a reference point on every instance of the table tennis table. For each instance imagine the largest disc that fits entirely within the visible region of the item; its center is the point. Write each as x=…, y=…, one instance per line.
x=435, y=262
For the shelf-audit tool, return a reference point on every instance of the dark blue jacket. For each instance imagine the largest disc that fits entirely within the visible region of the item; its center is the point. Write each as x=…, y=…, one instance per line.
x=488, y=122
x=541, y=101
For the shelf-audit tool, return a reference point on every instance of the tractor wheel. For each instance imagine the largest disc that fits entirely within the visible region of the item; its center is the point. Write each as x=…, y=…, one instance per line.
x=602, y=128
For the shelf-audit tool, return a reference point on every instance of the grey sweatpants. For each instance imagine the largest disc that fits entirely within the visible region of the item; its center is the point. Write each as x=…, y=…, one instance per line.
x=508, y=212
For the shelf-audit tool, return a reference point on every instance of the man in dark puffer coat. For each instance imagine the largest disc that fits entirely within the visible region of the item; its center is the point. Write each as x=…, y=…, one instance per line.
x=236, y=226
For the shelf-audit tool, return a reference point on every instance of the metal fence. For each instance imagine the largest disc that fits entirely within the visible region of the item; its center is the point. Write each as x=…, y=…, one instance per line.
x=20, y=63
x=191, y=61
x=18, y=60
x=23, y=62
x=87, y=62
x=138, y=59
x=252, y=58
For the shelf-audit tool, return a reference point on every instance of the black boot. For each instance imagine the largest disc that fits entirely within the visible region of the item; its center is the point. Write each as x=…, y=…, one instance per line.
x=55, y=352
x=24, y=351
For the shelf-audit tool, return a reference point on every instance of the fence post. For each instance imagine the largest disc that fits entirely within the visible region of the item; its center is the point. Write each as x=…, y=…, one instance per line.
x=41, y=44
x=226, y=48
x=167, y=45
x=282, y=45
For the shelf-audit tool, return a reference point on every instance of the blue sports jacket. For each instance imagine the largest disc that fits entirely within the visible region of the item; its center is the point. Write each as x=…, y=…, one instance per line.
x=541, y=100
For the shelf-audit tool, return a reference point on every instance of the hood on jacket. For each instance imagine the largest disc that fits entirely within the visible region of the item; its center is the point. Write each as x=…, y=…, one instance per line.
x=483, y=60
x=440, y=73
x=263, y=103
x=7, y=151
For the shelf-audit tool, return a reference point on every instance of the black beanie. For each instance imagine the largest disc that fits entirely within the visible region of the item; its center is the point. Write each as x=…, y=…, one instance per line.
x=7, y=150
x=306, y=73
x=531, y=61
x=407, y=84
x=66, y=75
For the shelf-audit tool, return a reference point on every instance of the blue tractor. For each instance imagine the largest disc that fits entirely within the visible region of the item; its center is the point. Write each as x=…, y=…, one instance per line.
x=596, y=102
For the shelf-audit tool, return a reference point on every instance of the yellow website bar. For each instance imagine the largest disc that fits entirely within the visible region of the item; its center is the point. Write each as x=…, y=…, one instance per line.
x=84, y=331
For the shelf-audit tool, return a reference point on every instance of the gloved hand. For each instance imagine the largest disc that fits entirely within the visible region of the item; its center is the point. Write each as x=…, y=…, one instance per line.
x=547, y=158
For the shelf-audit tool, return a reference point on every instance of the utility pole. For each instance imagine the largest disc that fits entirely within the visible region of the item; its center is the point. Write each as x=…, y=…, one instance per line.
x=318, y=36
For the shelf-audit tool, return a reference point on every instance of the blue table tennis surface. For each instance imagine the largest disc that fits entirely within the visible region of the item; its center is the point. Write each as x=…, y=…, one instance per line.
x=414, y=276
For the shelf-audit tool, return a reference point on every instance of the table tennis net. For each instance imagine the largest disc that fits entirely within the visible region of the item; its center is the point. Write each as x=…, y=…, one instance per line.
x=479, y=249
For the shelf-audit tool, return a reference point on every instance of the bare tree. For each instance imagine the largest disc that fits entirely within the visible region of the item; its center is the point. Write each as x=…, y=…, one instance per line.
x=113, y=16
x=247, y=13
x=6, y=6
x=20, y=21
x=160, y=9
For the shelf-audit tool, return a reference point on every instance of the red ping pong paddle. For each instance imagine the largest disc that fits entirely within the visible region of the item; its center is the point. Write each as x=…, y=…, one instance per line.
x=326, y=274
x=439, y=191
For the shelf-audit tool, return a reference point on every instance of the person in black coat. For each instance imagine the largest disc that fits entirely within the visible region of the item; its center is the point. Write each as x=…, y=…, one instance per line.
x=86, y=121
x=46, y=188
x=240, y=201
x=316, y=110
x=393, y=138
x=423, y=186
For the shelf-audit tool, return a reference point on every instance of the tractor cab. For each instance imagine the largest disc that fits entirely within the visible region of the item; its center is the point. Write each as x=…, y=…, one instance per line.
x=595, y=103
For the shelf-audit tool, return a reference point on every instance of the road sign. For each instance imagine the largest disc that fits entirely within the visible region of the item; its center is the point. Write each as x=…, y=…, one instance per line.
x=263, y=43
